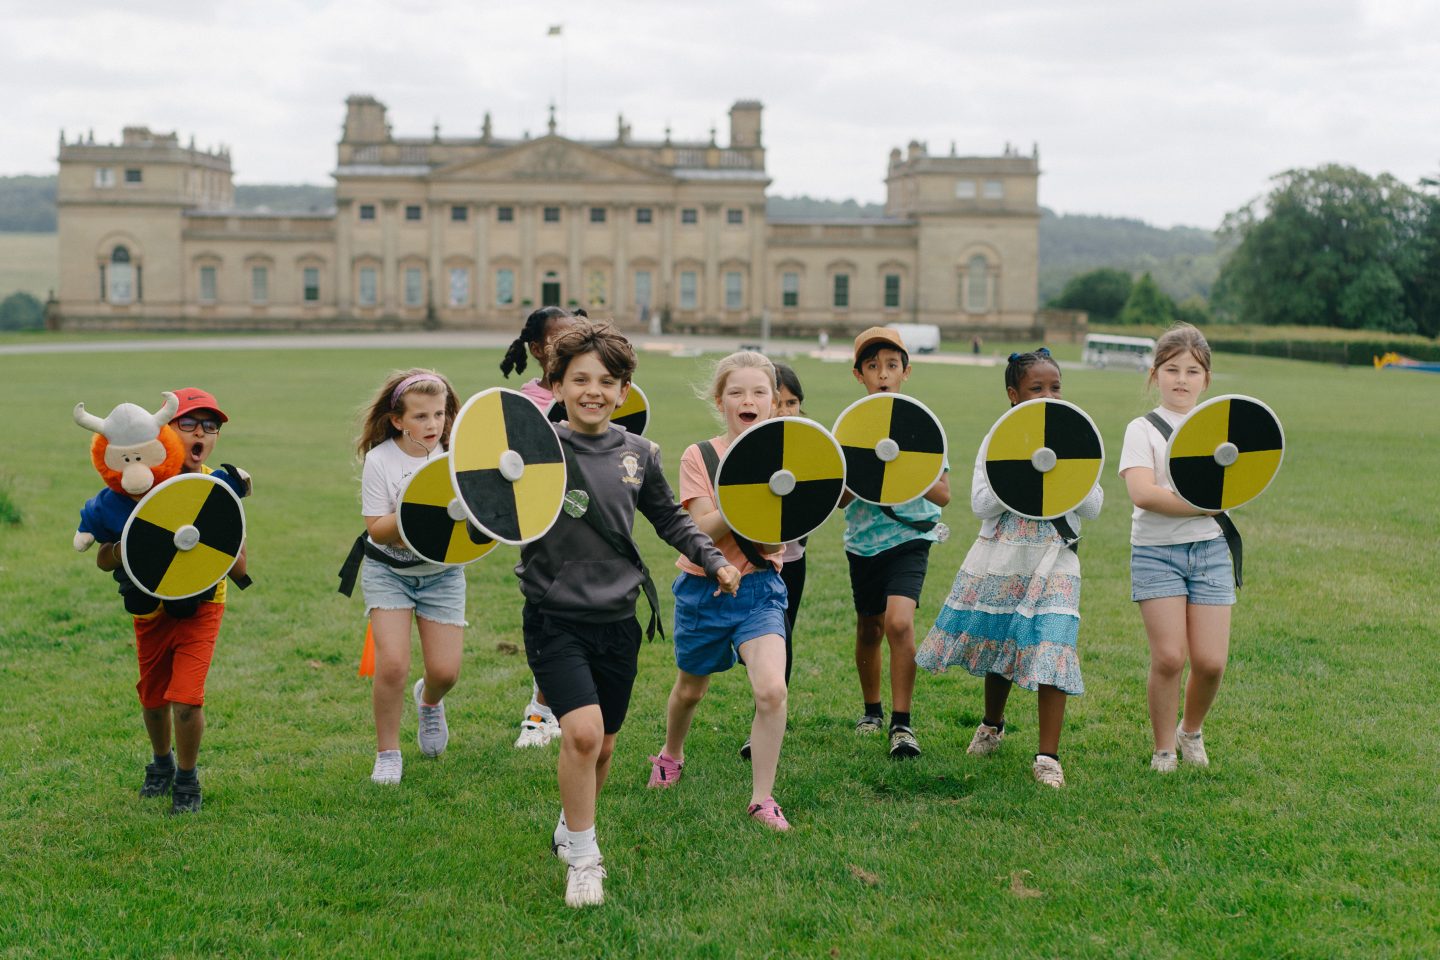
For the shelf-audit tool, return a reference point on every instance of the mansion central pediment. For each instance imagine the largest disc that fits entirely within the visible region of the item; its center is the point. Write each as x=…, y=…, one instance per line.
x=551, y=158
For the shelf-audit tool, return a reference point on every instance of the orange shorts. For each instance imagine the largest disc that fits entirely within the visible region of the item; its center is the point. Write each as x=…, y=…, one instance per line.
x=175, y=655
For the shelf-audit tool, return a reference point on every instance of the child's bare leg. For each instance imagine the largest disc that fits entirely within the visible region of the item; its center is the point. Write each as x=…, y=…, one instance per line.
x=765, y=665
x=157, y=726
x=1052, y=718
x=441, y=645
x=869, y=631
x=602, y=765
x=1165, y=627
x=1209, y=635
x=685, y=696
x=391, y=631
x=581, y=744
x=189, y=728
x=900, y=632
x=997, y=694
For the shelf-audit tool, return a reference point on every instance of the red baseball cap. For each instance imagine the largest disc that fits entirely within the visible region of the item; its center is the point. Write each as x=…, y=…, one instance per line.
x=193, y=398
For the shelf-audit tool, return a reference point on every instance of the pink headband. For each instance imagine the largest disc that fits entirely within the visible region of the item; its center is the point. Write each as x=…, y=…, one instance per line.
x=409, y=382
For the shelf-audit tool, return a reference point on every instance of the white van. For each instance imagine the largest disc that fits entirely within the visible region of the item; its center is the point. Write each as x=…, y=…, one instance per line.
x=918, y=337
x=1102, y=350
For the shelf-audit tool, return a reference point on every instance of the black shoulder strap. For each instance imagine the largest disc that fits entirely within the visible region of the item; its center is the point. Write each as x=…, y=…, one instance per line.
x=747, y=547
x=924, y=526
x=1227, y=526
x=619, y=542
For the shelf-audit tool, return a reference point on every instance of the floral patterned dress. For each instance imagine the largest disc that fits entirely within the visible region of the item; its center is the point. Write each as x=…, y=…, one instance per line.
x=1014, y=608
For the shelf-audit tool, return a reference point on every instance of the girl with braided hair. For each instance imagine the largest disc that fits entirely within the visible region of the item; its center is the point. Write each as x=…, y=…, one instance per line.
x=1013, y=614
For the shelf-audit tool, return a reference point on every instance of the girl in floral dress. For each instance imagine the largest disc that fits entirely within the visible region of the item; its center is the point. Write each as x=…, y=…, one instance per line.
x=1013, y=614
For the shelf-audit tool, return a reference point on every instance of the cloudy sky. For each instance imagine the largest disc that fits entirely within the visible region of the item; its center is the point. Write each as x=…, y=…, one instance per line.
x=1170, y=113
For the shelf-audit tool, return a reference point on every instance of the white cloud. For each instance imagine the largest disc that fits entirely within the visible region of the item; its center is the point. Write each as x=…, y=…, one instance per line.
x=1171, y=114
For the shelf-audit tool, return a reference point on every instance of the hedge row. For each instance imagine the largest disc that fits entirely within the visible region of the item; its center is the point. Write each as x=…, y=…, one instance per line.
x=1357, y=352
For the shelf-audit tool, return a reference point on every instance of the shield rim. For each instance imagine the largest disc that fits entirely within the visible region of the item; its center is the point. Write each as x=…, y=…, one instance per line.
x=179, y=478
x=400, y=523
x=944, y=443
x=633, y=388
x=455, y=483
x=734, y=444
x=985, y=447
x=1170, y=445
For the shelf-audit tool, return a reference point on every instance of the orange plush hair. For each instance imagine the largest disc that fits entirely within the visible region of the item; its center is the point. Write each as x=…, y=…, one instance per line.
x=174, y=459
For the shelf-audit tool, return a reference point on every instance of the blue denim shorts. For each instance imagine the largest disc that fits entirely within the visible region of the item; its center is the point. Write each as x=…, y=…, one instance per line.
x=709, y=630
x=439, y=597
x=1199, y=571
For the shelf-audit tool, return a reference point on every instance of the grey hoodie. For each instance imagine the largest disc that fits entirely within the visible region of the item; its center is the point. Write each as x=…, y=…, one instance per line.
x=572, y=572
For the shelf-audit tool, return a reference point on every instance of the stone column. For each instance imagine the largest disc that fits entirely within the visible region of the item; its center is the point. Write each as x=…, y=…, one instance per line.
x=388, y=280
x=527, y=285
x=574, y=283
x=619, y=234
x=344, y=270
x=484, y=296
x=710, y=302
x=439, y=292
x=663, y=294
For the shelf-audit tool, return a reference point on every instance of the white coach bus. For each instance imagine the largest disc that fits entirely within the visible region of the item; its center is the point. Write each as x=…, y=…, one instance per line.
x=1102, y=350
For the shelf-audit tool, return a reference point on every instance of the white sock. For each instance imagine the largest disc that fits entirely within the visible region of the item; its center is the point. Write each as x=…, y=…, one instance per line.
x=583, y=845
x=562, y=830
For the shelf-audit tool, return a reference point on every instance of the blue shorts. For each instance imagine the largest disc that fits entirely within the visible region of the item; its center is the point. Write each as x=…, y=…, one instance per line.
x=709, y=630
x=1199, y=571
x=439, y=597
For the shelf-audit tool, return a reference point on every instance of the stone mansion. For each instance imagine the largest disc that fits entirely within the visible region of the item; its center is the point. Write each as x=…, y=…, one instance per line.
x=475, y=231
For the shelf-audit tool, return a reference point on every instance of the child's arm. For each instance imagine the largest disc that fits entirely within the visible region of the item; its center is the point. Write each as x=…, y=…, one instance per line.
x=983, y=502
x=383, y=529
x=1148, y=495
x=107, y=558
x=939, y=494
x=237, y=571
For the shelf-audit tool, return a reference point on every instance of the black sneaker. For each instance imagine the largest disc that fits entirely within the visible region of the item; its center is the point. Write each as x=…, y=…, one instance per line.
x=902, y=743
x=158, y=780
x=185, y=798
x=745, y=750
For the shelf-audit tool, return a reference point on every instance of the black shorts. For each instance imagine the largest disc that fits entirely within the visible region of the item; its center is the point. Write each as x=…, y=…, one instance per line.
x=897, y=572
x=577, y=663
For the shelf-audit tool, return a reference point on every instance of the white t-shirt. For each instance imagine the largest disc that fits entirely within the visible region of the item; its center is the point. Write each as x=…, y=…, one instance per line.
x=387, y=469
x=1145, y=447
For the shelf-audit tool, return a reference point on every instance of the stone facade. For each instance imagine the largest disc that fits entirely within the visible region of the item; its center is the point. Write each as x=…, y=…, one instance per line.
x=476, y=231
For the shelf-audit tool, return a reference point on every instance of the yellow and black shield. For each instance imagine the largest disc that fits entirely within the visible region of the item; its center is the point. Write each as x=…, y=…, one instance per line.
x=183, y=536
x=506, y=466
x=1225, y=453
x=779, y=480
x=633, y=414
x=1042, y=458
x=432, y=520
x=894, y=448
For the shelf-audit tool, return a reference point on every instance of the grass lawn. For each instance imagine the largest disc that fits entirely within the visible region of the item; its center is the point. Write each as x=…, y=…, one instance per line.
x=1313, y=834
x=28, y=262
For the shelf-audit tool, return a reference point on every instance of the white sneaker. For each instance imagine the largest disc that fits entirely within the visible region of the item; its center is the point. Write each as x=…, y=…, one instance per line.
x=1047, y=771
x=1191, y=747
x=388, y=767
x=1163, y=761
x=536, y=731
x=584, y=886
x=434, y=732
x=985, y=741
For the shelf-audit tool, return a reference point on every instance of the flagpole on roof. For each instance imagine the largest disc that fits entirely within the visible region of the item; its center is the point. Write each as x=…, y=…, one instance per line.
x=557, y=30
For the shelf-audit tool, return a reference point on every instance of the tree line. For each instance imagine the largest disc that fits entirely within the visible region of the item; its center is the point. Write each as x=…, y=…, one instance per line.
x=1326, y=247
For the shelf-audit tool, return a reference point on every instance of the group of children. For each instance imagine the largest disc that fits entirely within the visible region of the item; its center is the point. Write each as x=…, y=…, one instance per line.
x=1011, y=617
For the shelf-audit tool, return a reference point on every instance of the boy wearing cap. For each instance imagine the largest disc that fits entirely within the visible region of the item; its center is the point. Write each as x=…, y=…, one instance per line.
x=888, y=549
x=175, y=640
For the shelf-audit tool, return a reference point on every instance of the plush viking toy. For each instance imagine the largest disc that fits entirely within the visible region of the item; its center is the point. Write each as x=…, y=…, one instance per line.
x=133, y=450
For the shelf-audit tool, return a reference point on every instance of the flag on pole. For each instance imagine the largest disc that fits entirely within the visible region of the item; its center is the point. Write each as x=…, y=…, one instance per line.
x=554, y=30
